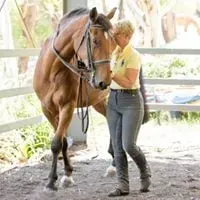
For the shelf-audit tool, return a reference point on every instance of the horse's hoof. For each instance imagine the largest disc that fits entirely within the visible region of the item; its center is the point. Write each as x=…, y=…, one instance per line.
x=67, y=181
x=51, y=187
x=110, y=171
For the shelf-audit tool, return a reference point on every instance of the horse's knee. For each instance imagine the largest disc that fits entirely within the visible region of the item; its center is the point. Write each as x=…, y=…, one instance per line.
x=56, y=145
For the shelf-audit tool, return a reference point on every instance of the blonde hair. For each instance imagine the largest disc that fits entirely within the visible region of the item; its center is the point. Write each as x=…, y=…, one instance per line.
x=124, y=27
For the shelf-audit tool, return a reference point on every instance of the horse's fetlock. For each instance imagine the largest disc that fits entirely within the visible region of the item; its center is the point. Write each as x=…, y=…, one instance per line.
x=53, y=177
x=68, y=170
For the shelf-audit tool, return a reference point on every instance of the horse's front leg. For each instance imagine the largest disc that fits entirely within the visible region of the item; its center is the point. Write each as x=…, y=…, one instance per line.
x=59, y=143
x=56, y=146
x=66, y=180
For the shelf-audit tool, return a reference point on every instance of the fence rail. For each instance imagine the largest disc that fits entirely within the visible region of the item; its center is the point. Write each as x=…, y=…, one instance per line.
x=7, y=53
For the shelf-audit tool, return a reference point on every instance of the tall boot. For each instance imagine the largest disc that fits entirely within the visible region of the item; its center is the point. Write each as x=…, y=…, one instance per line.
x=145, y=172
x=122, y=176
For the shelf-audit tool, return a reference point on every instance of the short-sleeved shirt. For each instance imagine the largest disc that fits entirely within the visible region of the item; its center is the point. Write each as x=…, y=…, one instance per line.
x=120, y=61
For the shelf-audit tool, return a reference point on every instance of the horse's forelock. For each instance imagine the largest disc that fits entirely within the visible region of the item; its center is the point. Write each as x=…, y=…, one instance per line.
x=104, y=22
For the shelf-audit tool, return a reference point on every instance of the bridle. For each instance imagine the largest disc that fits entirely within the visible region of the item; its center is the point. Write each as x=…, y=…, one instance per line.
x=80, y=68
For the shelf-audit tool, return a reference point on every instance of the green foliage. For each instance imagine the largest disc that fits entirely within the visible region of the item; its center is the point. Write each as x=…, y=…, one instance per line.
x=171, y=66
x=191, y=117
x=43, y=27
x=26, y=106
x=42, y=31
x=164, y=2
x=24, y=143
x=36, y=139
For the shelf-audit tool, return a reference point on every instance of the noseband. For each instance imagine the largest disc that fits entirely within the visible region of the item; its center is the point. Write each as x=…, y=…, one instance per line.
x=81, y=67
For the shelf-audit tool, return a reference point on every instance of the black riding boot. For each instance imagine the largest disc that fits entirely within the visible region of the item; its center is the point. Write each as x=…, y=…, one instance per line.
x=145, y=172
x=122, y=176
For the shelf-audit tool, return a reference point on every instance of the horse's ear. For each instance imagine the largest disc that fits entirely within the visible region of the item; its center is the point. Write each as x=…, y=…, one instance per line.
x=93, y=14
x=111, y=13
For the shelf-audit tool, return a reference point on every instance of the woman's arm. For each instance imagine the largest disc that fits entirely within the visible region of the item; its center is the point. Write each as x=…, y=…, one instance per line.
x=128, y=79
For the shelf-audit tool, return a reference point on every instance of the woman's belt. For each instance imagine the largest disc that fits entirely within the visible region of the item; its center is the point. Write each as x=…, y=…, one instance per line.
x=128, y=91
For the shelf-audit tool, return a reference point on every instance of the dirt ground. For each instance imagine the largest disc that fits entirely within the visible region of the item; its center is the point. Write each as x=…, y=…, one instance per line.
x=173, y=152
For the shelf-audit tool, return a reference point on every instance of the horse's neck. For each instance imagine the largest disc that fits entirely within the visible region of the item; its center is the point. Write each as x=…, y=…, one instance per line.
x=72, y=31
x=64, y=44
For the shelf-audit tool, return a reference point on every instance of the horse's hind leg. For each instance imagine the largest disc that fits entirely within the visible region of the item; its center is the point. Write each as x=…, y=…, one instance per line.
x=59, y=143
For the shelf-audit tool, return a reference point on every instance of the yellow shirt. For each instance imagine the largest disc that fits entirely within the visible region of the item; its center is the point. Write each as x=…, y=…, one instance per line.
x=121, y=60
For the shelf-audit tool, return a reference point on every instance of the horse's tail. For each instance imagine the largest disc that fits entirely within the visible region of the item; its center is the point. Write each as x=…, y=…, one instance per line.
x=142, y=89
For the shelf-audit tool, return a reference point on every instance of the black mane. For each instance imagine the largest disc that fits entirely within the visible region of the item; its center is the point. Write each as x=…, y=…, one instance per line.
x=77, y=12
x=101, y=19
x=74, y=13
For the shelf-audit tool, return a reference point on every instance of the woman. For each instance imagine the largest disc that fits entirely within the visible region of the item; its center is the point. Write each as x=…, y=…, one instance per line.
x=125, y=109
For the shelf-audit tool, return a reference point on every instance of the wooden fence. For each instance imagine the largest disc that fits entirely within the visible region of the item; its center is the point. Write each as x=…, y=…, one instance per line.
x=153, y=106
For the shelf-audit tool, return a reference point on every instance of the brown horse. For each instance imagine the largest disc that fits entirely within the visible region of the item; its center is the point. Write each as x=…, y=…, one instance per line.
x=74, y=61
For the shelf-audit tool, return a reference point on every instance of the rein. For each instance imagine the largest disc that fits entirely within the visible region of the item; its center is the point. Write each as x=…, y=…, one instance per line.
x=83, y=116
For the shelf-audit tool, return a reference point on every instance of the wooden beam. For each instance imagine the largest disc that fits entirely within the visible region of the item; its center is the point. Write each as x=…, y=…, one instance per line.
x=169, y=51
x=174, y=107
x=21, y=123
x=16, y=92
x=7, y=53
x=171, y=81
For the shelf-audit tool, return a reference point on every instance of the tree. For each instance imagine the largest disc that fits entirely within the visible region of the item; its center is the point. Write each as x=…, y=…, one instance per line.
x=32, y=25
x=28, y=14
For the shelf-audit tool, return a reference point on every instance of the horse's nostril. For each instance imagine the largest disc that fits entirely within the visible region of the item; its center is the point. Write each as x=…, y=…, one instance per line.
x=102, y=85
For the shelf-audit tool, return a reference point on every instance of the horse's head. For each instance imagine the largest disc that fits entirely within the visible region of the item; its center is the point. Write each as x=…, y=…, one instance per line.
x=99, y=44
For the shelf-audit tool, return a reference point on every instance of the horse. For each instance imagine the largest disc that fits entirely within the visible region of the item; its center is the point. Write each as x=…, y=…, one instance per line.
x=186, y=21
x=73, y=71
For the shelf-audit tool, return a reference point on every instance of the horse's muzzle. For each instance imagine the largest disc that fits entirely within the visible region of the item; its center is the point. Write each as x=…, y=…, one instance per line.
x=103, y=85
